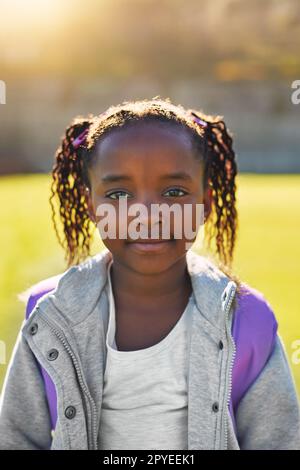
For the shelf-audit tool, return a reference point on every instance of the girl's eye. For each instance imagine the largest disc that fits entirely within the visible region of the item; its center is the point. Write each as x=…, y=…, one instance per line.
x=174, y=192
x=118, y=193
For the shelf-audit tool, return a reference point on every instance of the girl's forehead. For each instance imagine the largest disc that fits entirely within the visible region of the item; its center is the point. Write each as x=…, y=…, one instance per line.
x=145, y=156
x=153, y=139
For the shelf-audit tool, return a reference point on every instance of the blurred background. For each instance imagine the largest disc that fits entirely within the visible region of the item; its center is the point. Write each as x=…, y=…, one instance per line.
x=234, y=58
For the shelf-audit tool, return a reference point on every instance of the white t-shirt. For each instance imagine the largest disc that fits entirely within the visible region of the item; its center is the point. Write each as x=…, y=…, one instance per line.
x=144, y=404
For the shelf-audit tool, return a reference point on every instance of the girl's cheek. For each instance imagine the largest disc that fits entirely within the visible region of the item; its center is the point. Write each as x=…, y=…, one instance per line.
x=192, y=219
x=106, y=220
x=114, y=225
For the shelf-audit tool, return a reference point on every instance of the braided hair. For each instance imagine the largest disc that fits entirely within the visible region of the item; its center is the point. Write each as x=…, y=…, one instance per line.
x=211, y=142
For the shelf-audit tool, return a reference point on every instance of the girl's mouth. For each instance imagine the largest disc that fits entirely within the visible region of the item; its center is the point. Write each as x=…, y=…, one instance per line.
x=150, y=246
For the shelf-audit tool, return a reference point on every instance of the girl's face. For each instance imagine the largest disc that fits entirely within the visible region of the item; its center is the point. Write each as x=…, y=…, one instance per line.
x=149, y=163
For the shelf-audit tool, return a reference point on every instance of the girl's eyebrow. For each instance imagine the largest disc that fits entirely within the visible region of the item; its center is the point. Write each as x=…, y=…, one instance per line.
x=176, y=176
x=113, y=178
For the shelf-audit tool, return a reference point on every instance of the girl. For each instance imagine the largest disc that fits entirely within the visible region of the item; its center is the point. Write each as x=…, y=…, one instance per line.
x=138, y=342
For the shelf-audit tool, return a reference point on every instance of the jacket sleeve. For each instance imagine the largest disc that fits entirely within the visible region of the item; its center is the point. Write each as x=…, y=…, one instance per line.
x=24, y=413
x=268, y=415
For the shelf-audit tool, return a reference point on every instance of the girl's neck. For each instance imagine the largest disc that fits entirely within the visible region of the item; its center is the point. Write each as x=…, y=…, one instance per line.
x=171, y=287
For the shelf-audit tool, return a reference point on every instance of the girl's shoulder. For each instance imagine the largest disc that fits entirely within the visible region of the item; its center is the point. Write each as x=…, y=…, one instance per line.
x=89, y=276
x=253, y=305
x=38, y=290
x=248, y=297
x=249, y=300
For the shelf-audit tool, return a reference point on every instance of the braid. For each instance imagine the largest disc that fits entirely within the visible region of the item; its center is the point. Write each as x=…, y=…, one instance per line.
x=69, y=185
x=220, y=173
x=213, y=146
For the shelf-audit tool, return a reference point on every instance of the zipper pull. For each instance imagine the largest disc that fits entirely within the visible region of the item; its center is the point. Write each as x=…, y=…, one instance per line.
x=228, y=296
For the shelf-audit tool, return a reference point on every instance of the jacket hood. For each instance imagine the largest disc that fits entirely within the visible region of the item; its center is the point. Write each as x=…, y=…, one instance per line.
x=80, y=287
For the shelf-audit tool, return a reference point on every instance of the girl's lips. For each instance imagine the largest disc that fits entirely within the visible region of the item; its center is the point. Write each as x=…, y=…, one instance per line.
x=150, y=247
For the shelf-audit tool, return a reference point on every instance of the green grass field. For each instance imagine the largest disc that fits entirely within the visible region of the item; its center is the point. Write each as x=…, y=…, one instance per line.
x=267, y=255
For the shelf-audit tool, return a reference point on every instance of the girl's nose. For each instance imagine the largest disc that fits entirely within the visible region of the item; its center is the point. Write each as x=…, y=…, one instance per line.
x=149, y=219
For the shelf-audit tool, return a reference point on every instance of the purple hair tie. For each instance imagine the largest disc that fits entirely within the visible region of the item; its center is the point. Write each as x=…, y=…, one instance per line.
x=80, y=139
x=199, y=121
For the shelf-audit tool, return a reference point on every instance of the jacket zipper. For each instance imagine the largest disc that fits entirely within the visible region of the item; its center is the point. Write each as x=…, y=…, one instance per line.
x=229, y=302
x=92, y=433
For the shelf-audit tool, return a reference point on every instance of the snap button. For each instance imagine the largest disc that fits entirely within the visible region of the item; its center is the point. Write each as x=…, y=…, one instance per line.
x=221, y=345
x=33, y=329
x=215, y=406
x=70, y=412
x=52, y=354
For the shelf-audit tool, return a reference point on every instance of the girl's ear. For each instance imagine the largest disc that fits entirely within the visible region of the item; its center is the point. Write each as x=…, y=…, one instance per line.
x=207, y=201
x=89, y=201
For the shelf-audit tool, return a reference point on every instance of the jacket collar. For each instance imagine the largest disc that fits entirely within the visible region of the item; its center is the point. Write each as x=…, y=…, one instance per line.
x=80, y=287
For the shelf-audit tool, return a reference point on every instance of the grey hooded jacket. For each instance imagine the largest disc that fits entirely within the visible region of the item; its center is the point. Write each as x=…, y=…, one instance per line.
x=73, y=320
